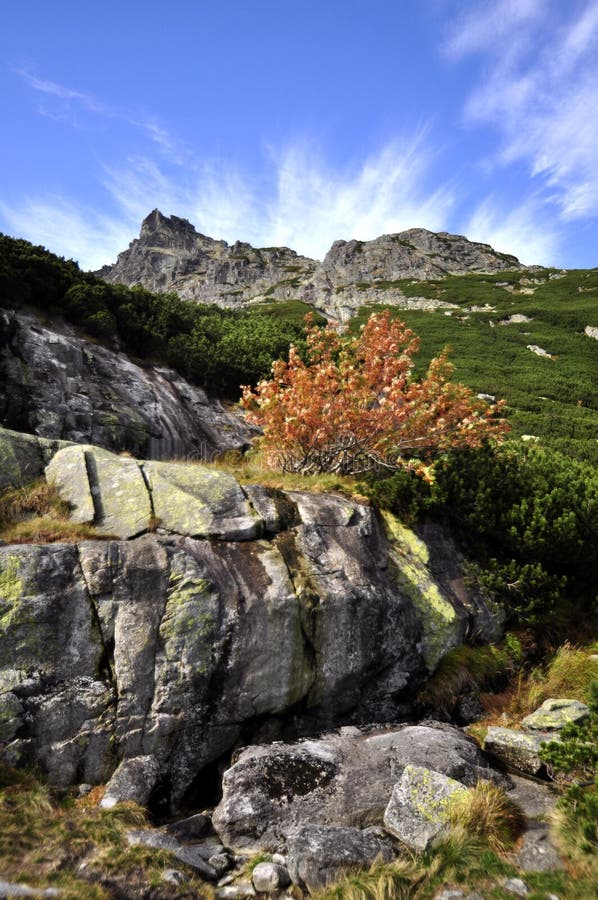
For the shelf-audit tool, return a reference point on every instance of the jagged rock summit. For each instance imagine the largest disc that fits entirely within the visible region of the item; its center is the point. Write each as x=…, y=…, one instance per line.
x=171, y=255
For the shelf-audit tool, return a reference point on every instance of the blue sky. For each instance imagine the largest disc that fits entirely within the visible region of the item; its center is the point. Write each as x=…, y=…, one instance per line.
x=300, y=123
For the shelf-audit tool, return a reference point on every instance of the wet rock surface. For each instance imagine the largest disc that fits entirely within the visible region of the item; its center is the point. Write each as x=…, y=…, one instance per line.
x=54, y=384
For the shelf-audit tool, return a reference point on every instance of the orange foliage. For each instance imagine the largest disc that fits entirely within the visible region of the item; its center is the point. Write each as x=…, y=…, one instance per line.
x=354, y=406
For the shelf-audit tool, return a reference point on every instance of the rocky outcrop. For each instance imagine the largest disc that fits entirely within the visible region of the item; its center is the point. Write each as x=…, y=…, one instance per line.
x=56, y=385
x=357, y=272
x=254, y=614
x=170, y=255
x=344, y=779
x=320, y=856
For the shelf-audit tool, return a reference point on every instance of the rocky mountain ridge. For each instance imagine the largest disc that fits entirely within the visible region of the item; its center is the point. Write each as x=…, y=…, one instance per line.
x=170, y=255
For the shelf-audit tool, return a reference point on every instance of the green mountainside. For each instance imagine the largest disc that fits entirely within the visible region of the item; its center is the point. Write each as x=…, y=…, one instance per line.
x=553, y=397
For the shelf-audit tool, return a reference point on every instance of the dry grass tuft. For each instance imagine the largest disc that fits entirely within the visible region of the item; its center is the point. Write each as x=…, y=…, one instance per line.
x=250, y=469
x=35, y=514
x=487, y=813
x=568, y=674
x=76, y=847
x=468, y=667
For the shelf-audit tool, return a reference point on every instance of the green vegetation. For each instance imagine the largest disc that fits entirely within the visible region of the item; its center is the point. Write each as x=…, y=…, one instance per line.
x=461, y=861
x=73, y=845
x=219, y=349
x=527, y=518
x=555, y=399
x=575, y=759
x=468, y=668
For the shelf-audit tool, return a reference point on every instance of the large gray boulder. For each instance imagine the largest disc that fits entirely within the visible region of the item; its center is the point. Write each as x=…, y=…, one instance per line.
x=124, y=498
x=343, y=779
x=51, y=654
x=320, y=856
x=172, y=646
x=200, y=502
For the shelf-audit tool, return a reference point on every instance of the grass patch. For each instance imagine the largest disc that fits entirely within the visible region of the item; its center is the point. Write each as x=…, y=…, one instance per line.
x=567, y=674
x=470, y=668
x=35, y=514
x=82, y=850
x=488, y=813
x=250, y=469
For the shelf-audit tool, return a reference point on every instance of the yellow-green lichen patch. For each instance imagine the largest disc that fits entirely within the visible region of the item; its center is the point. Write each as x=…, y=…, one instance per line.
x=190, y=499
x=189, y=622
x=426, y=797
x=441, y=626
x=11, y=586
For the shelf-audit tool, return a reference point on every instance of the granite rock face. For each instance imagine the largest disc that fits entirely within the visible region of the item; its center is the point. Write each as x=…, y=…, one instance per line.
x=357, y=272
x=171, y=255
x=58, y=386
x=278, y=611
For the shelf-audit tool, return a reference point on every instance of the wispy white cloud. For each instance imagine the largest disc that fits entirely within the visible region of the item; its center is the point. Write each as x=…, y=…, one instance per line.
x=68, y=101
x=540, y=91
x=303, y=202
x=492, y=22
x=524, y=230
x=70, y=230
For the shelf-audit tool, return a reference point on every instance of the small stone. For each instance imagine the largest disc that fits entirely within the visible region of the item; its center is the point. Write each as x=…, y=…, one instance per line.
x=7, y=889
x=269, y=877
x=220, y=862
x=83, y=790
x=235, y=891
x=449, y=895
x=174, y=876
x=538, y=853
x=153, y=838
x=516, y=886
x=192, y=857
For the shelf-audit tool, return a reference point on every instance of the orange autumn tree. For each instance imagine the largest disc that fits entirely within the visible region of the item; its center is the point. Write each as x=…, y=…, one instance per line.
x=354, y=406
